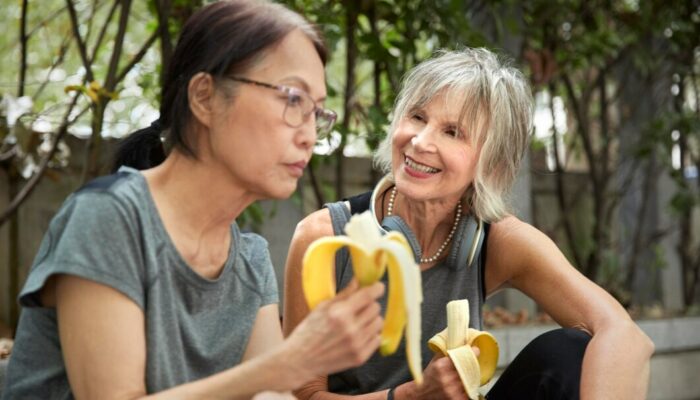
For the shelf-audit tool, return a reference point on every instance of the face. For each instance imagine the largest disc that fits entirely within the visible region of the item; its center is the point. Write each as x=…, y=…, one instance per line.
x=250, y=139
x=432, y=156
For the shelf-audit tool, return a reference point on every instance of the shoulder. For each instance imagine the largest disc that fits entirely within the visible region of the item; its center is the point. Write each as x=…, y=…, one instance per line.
x=253, y=241
x=511, y=231
x=515, y=246
x=316, y=225
x=120, y=193
x=254, y=248
x=100, y=209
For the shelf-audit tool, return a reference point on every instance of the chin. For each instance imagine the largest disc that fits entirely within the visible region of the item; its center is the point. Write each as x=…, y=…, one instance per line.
x=282, y=192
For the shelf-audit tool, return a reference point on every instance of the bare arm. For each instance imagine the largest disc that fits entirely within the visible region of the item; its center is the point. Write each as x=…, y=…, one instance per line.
x=266, y=334
x=616, y=361
x=103, y=340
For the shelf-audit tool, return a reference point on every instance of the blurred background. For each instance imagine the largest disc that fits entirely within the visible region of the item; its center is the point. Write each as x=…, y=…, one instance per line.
x=612, y=173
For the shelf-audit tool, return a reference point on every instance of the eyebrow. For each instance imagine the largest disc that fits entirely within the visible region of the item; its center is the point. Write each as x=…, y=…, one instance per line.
x=445, y=123
x=304, y=86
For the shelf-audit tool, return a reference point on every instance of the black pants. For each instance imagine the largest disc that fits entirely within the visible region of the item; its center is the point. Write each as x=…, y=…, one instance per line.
x=549, y=367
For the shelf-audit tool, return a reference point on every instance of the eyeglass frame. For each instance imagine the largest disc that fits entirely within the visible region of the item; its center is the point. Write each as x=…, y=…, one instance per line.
x=330, y=116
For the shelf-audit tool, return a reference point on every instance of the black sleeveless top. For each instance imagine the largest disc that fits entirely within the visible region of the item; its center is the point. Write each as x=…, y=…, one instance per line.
x=450, y=279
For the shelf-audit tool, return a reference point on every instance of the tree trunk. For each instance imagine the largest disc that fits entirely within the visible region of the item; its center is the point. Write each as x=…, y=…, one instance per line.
x=350, y=58
x=13, y=250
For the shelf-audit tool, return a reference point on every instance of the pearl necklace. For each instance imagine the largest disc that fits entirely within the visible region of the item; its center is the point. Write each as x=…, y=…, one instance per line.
x=458, y=216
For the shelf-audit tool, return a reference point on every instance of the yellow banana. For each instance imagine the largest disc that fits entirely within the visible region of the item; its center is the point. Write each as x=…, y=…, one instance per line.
x=372, y=254
x=456, y=342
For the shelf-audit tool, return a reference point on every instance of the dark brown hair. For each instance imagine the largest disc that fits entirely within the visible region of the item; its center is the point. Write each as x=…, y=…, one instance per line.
x=223, y=38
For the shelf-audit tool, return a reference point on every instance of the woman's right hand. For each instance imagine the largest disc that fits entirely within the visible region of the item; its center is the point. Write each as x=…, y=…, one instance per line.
x=440, y=382
x=338, y=334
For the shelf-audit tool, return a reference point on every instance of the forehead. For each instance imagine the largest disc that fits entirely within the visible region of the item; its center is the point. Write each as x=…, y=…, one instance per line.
x=294, y=60
x=446, y=103
x=459, y=106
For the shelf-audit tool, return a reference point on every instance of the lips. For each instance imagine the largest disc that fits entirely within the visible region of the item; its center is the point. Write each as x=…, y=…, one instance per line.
x=300, y=164
x=297, y=168
x=414, y=165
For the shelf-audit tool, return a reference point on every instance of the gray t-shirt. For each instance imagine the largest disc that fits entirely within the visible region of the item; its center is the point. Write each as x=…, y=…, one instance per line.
x=110, y=232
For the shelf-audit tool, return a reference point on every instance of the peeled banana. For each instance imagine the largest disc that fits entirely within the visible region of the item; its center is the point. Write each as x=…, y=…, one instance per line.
x=372, y=254
x=456, y=342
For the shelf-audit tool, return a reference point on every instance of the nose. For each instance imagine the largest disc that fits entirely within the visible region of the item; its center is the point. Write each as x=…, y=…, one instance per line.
x=424, y=139
x=306, y=133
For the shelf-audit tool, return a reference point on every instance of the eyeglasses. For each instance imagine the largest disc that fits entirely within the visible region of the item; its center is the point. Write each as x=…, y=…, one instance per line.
x=298, y=107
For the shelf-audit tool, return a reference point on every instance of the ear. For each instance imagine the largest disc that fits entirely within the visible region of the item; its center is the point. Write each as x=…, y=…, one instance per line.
x=200, y=96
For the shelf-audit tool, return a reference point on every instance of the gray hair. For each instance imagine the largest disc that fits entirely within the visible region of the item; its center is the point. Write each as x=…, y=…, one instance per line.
x=496, y=112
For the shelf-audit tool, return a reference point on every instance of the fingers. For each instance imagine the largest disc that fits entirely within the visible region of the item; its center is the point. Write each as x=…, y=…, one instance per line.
x=476, y=351
x=344, y=331
x=362, y=297
x=351, y=288
x=442, y=380
x=369, y=323
x=368, y=315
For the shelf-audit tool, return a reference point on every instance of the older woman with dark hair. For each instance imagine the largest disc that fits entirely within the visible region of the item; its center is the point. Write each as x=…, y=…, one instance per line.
x=459, y=130
x=144, y=283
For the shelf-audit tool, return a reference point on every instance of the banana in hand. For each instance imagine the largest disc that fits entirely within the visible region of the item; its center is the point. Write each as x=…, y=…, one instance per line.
x=372, y=254
x=456, y=341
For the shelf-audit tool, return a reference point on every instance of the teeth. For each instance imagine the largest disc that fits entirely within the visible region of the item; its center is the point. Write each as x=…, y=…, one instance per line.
x=420, y=167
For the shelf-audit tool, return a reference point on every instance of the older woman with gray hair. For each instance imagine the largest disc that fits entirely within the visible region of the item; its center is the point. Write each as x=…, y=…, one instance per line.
x=459, y=131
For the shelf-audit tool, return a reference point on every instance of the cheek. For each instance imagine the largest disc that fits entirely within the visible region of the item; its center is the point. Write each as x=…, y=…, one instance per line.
x=400, y=139
x=466, y=161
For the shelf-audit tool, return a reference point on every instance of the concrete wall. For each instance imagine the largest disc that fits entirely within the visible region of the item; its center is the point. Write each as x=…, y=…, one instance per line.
x=533, y=200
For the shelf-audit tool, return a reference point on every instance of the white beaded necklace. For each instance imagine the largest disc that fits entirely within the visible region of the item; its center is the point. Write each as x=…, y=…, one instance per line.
x=458, y=216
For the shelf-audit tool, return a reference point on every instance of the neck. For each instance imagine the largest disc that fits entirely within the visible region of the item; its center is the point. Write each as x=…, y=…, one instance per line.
x=433, y=222
x=197, y=204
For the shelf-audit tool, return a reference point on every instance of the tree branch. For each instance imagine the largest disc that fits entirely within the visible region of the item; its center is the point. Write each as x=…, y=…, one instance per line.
x=583, y=129
x=316, y=186
x=166, y=45
x=135, y=60
x=637, y=248
x=36, y=177
x=351, y=15
x=45, y=21
x=61, y=55
x=561, y=198
x=110, y=82
x=101, y=35
x=23, y=39
x=82, y=50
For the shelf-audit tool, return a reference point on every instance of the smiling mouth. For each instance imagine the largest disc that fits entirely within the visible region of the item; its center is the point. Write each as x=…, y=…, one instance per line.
x=419, y=167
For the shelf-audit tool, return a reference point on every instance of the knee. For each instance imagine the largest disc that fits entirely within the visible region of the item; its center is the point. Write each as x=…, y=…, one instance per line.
x=563, y=345
x=566, y=338
x=549, y=367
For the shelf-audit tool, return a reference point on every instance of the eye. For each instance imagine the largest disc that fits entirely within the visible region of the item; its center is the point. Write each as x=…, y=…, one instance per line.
x=452, y=132
x=418, y=117
x=294, y=98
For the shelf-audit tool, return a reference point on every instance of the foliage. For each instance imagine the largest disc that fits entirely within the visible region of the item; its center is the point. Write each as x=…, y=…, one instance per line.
x=611, y=62
x=92, y=68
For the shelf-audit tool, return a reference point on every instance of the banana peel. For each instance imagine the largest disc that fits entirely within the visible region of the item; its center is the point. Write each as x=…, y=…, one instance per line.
x=373, y=254
x=456, y=342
